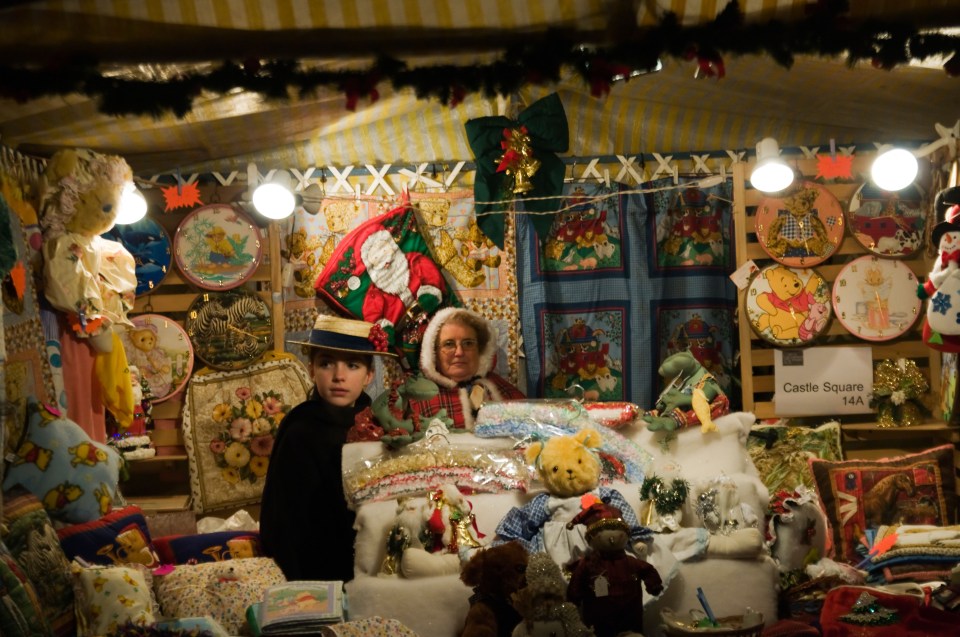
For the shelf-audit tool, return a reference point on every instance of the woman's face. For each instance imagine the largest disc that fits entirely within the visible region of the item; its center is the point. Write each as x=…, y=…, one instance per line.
x=340, y=378
x=458, y=352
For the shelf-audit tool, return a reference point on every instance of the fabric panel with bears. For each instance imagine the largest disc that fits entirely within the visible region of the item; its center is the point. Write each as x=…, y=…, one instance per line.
x=29, y=535
x=861, y=494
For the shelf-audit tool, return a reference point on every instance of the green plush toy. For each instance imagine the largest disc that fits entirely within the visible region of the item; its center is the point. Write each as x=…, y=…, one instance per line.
x=397, y=412
x=692, y=396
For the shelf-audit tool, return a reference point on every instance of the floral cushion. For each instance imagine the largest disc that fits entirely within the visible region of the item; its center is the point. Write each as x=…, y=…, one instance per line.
x=230, y=419
x=74, y=477
x=208, y=547
x=20, y=612
x=110, y=596
x=120, y=537
x=30, y=537
x=860, y=494
x=781, y=453
x=222, y=590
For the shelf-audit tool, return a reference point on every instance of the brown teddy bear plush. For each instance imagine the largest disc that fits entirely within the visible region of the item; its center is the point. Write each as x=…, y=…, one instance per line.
x=495, y=574
x=606, y=583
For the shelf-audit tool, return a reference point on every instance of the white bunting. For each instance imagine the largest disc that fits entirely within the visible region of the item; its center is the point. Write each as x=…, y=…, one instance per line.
x=627, y=168
x=341, y=177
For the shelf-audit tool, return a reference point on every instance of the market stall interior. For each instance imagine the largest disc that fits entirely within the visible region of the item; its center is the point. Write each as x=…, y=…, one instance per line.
x=588, y=176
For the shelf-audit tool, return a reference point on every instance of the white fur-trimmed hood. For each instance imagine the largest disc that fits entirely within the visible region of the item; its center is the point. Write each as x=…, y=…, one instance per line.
x=428, y=363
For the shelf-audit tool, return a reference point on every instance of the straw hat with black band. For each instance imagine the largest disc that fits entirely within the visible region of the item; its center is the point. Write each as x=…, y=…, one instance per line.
x=347, y=335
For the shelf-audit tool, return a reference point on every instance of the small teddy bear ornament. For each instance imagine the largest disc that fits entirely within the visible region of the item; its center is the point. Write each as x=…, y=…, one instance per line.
x=569, y=468
x=607, y=583
x=543, y=603
x=495, y=574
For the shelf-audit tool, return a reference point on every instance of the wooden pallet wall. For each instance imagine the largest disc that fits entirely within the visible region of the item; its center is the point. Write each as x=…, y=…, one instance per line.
x=863, y=438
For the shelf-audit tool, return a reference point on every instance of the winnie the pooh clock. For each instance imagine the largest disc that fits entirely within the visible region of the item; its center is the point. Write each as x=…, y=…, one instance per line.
x=876, y=299
x=787, y=307
x=802, y=229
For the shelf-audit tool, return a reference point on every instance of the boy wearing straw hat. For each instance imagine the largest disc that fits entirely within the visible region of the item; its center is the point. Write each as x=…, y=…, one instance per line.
x=305, y=524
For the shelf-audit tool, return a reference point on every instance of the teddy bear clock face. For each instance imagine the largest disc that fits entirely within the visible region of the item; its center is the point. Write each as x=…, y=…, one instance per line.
x=229, y=330
x=217, y=247
x=876, y=299
x=801, y=229
x=788, y=307
x=161, y=350
x=888, y=224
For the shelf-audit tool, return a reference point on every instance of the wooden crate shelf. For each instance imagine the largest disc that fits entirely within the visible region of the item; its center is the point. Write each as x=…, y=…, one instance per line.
x=757, y=356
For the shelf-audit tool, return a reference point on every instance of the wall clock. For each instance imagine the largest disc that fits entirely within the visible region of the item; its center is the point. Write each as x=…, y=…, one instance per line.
x=889, y=224
x=162, y=353
x=217, y=247
x=802, y=229
x=787, y=307
x=150, y=246
x=231, y=329
x=876, y=299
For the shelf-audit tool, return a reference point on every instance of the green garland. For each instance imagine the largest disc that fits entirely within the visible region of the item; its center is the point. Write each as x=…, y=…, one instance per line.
x=824, y=32
x=665, y=501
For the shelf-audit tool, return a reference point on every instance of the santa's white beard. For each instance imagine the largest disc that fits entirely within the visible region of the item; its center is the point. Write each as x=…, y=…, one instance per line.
x=392, y=280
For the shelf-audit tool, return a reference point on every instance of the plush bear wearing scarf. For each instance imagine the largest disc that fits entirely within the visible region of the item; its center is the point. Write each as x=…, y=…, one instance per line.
x=570, y=470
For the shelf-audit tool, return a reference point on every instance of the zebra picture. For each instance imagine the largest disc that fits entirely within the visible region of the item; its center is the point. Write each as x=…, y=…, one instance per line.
x=229, y=329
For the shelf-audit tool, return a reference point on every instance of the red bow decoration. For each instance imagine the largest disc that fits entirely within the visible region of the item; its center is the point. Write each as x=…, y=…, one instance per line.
x=947, y=257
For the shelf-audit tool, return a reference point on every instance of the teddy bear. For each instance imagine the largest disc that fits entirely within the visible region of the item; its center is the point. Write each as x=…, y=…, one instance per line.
x=693, y=396
x=543, y=603
x=153, y=362
x=92, y=279
x=606, y=582
x=495, y=573
x=569, y=468
x=787, y=304
x=801, y=233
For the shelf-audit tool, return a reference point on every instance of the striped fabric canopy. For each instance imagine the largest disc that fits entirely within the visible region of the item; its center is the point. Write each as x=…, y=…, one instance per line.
x=669, y=112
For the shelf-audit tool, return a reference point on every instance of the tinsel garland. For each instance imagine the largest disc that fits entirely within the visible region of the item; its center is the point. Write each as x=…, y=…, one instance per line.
x=665, y=500
x=824, y=31
x=897, y=389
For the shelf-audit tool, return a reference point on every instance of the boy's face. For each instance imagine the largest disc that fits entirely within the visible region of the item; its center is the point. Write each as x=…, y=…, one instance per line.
x=339, y=377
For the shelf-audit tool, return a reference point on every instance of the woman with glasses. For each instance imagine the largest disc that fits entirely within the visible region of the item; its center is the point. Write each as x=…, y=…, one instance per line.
x=457, y=353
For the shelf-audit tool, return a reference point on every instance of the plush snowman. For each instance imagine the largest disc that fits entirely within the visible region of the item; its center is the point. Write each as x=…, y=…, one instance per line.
x=941, y=327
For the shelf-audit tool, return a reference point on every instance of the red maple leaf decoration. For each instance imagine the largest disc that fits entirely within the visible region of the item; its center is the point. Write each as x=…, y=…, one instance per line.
x=835, y=166
x=182, y=196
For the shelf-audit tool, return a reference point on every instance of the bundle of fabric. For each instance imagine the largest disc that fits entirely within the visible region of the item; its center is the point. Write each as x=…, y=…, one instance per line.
x=918, y=552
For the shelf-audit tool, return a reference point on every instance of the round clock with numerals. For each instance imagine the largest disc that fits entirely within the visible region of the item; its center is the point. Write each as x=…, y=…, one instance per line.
x=231, y=329
x=787, y=307
x=217, y=247
x=802, y=229
x=876, y=299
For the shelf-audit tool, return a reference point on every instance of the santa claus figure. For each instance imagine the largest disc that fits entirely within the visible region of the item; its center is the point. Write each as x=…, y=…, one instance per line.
x=399, y=281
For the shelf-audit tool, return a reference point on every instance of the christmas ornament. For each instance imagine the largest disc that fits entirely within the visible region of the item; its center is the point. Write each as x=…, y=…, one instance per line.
x=181, y=196
x=897, y=388
x=519, y=157
x=834, y=166
x=665, y=500
x=867, y=611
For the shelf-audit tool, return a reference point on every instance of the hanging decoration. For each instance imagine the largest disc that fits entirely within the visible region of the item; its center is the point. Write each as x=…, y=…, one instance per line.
x=519, y=158
x=181, y=195
x=897, y=390
x=824, y=30
x=834, y=166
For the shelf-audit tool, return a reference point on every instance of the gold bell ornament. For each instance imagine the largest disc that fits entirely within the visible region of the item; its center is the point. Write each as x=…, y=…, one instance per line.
x=517, y=159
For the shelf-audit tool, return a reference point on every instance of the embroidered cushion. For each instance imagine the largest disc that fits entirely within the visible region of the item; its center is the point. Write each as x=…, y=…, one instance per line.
x=120, y=537
x=781, y=453
x=20, y=612
x=222, y=590
x=110, y=596
x=74, y=477
x=860, y=494
x=230, y=419
x=208, y=547
x=29, y=535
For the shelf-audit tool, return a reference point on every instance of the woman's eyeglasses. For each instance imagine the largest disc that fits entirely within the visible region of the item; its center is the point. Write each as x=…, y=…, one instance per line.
x=450, y=346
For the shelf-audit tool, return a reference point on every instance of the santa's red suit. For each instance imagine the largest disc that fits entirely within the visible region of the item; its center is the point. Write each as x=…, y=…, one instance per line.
x=425, y=279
